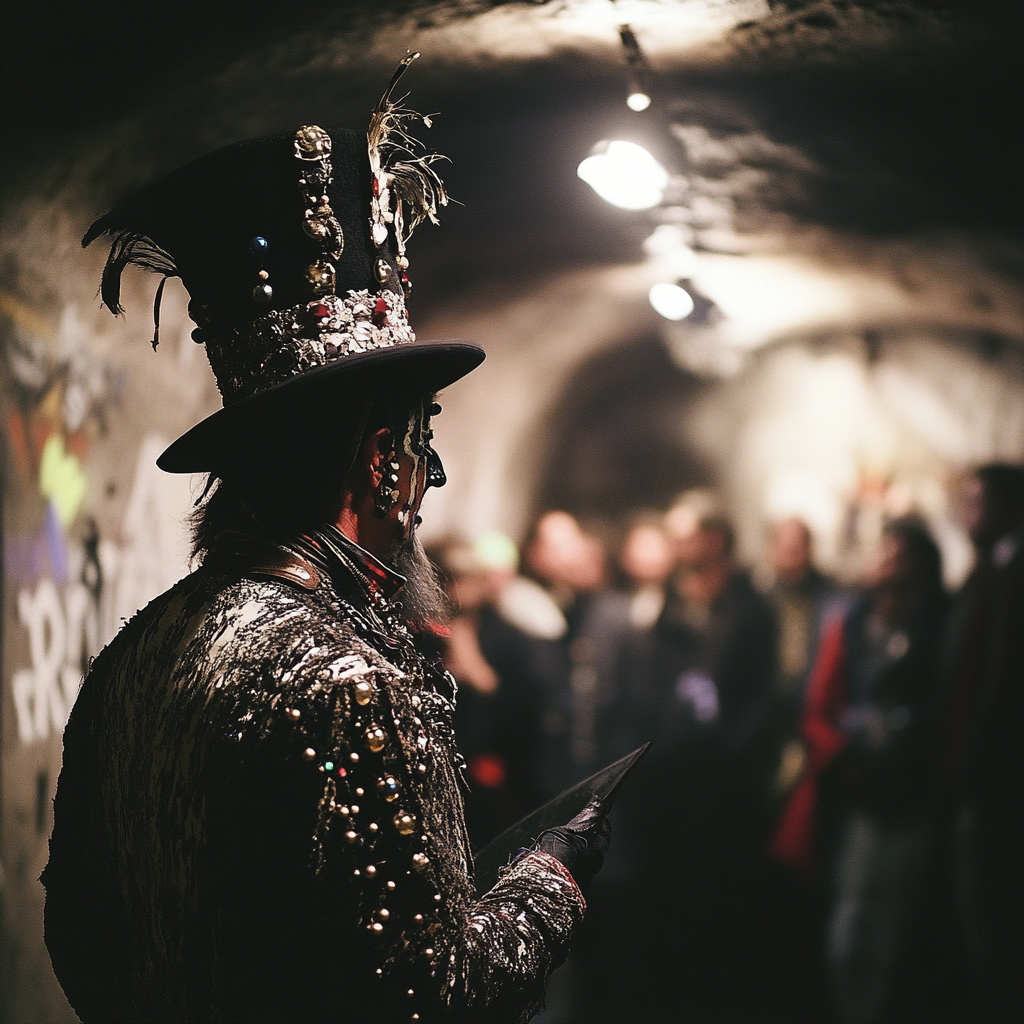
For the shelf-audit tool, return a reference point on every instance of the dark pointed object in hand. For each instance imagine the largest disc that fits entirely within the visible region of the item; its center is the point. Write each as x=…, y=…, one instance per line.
x=558, y=811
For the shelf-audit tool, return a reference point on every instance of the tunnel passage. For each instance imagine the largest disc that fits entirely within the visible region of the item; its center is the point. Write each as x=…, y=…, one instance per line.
x=615, y=443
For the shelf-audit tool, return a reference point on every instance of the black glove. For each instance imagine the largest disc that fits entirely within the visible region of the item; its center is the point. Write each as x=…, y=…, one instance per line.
x=580, y=844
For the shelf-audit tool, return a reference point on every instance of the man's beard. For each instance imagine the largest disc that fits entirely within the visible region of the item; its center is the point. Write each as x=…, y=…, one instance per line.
x=424, y=601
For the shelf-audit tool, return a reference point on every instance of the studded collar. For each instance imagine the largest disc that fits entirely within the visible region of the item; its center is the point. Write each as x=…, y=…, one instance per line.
x=345, y=563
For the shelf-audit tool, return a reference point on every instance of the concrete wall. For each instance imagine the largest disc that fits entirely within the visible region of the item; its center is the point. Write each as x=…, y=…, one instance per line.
x=92, y=530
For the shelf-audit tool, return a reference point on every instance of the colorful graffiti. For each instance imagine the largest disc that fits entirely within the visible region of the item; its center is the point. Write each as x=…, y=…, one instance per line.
x=72, y=587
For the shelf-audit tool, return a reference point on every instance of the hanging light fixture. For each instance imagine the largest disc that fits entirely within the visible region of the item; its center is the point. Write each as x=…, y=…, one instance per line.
x=638, y=74
x=624, y=174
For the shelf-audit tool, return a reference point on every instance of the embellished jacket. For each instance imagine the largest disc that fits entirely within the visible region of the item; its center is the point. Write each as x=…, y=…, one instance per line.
x=259, y=815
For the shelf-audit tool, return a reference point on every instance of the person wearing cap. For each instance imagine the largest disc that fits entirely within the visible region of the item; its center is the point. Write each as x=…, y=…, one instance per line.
x=259, y=813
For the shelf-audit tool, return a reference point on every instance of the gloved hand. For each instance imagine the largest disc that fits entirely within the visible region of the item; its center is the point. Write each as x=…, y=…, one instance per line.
x=580, y=844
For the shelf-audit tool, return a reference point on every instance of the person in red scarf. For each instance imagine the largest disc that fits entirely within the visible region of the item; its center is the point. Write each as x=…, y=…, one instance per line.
x=861, y=817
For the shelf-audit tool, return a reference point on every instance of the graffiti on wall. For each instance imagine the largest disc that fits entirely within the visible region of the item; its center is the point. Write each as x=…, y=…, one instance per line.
x=73, y=586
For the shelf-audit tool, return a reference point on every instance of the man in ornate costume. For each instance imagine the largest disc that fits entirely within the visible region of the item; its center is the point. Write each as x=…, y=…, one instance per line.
x=259, y=816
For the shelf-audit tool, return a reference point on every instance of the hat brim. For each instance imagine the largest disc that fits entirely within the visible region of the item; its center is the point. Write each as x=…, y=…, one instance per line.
x=419, y=369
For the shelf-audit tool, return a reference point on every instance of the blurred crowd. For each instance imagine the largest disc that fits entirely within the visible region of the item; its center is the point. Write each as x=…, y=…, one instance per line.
x=829, y=824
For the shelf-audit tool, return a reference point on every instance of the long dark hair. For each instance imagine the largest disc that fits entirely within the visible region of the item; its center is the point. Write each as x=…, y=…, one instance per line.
x=290, y=475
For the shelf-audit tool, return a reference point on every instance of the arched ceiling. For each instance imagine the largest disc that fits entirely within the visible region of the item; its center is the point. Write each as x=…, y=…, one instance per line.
x=847, y=164
x=875, y=118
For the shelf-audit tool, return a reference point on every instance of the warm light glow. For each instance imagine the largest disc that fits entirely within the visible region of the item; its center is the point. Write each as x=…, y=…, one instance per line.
x=675, y=258
x=671, y=301
x=625, y=174
x=663, y=239
x=638, y=101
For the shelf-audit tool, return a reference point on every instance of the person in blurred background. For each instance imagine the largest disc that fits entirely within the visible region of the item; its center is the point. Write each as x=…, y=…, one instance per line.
x=488, y=652
x=716, y=642
x=984, y=738
x=803, y=596
x=579, y=674
x=863, y=813
x=580, y=669
x=645, y=558
x=700, y=684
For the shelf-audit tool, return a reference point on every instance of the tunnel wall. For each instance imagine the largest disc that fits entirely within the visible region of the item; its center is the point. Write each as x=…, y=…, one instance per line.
x=92, y=530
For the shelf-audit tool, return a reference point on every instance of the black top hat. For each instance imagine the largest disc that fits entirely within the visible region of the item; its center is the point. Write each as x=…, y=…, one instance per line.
x=292, y=250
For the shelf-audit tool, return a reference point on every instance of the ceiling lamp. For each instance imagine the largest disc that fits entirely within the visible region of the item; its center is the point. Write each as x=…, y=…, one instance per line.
x=671, y=301
x=638, y=73
x=624, y=174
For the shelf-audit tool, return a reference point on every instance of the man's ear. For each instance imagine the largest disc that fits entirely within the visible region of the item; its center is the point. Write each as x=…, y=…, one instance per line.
x=374, y=455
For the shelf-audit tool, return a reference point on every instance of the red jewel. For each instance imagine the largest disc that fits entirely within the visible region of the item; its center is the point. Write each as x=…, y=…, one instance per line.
x=342, y=773
x=376, y=186
x=380, y=313
x=321, y=310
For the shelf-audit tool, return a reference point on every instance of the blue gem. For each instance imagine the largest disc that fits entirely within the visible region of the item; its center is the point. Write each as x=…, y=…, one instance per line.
x=259, y=246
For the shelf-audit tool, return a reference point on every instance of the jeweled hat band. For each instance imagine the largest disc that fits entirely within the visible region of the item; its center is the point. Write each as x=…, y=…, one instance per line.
x=289, y=342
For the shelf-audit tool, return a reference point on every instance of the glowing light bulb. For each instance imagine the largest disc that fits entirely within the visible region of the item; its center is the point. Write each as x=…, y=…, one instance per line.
x=638, y=101
x=625, y=174
x=670, y=301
